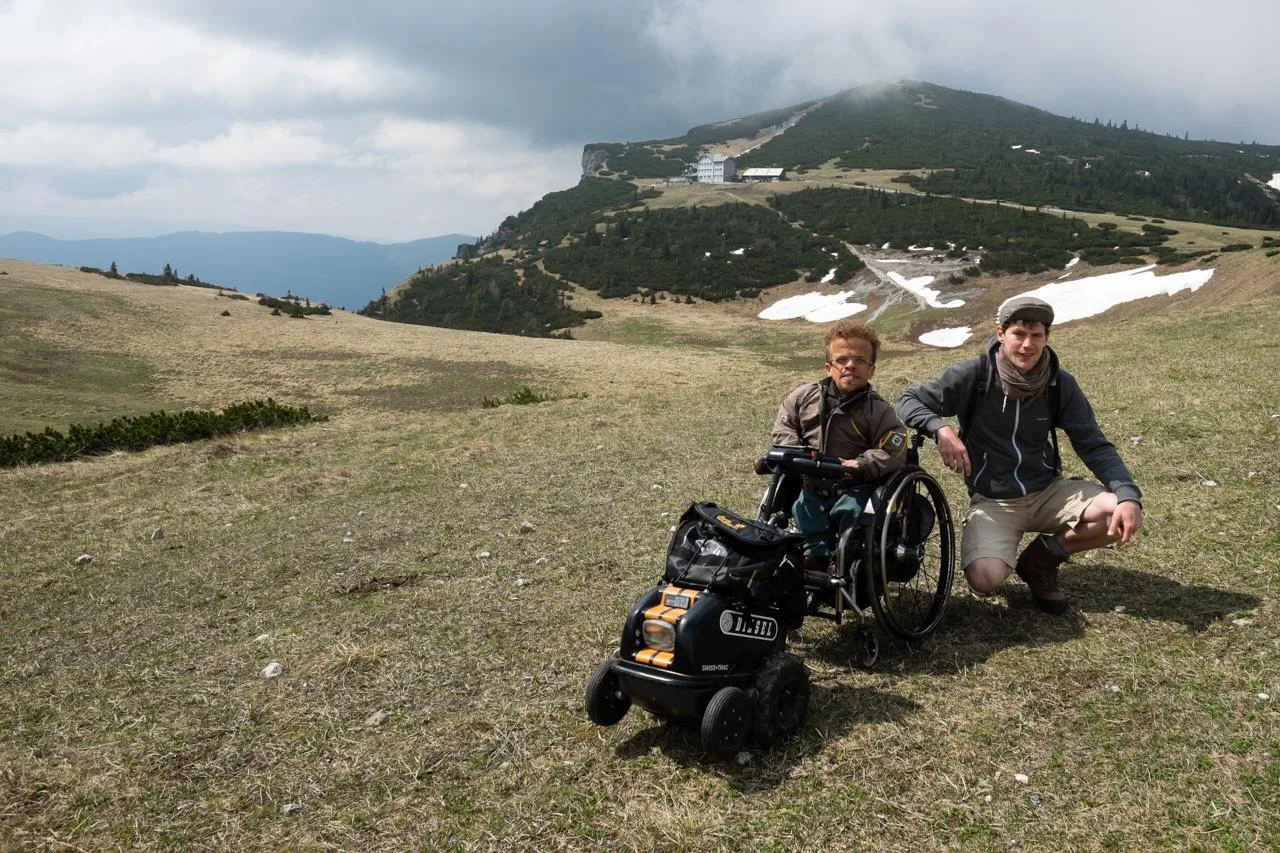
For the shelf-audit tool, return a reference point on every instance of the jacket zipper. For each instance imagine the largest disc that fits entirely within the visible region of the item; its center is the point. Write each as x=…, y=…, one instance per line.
x=1013, y=439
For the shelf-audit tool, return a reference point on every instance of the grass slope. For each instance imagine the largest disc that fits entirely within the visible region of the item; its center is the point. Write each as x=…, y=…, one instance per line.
x=444, y=712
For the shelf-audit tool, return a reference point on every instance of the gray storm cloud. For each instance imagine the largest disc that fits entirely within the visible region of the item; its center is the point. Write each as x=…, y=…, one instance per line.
x=284, y=114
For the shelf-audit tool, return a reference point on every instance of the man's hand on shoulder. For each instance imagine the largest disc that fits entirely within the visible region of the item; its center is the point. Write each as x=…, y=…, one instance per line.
x=951, y=448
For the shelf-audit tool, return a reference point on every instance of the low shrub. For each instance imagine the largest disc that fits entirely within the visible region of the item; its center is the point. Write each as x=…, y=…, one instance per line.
x=292, y=306
x=138, y=433
x=523, y=396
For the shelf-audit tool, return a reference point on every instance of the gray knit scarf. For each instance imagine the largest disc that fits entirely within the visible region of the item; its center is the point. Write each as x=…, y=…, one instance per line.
x=1019, y=385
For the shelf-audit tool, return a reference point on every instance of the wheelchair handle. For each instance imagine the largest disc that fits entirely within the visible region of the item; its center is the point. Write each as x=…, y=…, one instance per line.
x=801, y=460
x=788, y=459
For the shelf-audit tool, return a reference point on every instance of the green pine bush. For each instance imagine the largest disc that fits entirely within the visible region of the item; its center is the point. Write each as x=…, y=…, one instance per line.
x=132, y=433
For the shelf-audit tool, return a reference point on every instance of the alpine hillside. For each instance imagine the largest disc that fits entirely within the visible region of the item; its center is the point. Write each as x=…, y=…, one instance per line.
x=981, y=193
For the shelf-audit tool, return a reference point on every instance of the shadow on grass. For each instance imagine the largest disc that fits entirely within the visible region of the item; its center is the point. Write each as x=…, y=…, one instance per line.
x=974, y=629
x=832, y=713
x=1100, y=588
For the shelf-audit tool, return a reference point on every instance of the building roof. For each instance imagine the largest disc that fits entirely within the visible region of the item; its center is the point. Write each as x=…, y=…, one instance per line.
x=758, y=172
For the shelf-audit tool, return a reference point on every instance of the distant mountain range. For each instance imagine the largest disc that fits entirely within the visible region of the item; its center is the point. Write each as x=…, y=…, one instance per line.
x=339, y=272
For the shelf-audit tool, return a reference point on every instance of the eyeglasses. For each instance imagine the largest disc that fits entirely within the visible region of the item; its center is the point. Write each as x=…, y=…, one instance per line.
x=851, y=361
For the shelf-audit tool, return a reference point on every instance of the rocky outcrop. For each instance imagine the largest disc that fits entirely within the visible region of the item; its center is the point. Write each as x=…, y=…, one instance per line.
x=594, y=158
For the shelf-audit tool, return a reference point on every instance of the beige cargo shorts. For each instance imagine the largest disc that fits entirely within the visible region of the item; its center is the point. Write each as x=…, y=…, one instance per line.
x=994, y=527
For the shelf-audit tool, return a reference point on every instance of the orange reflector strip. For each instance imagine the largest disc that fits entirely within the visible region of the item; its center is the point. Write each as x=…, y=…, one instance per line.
x=655, y=657
x=666, y=614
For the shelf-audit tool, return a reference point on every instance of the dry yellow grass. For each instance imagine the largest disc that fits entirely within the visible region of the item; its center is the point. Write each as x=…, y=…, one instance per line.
x=445, y=713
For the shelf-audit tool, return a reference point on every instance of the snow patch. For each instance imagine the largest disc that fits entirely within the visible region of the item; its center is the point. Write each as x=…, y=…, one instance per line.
x=919, y=287
x=1085, y=297
x=829, y=277
x=1275, y=181
x=1071, y=263
x=737, y=251
x=947, y=338
x=814, y=307
x=914, y=248
x=835, y=311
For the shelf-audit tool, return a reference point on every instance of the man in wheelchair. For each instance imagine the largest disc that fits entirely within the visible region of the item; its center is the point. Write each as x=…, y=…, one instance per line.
x=841, y=416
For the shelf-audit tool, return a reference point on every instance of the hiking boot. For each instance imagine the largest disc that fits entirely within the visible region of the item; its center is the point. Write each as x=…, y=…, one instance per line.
x=1038, y=568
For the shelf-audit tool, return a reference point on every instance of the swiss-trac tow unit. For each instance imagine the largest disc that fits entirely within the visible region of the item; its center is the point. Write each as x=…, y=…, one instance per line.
x=707, y=645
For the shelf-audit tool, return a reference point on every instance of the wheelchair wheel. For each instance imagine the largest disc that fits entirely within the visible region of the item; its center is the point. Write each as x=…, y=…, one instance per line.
x=866, y=648
x=913, y=556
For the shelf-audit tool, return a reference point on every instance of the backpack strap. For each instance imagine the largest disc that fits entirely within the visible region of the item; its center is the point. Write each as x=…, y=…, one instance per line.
x=1054, y=393
x=965, y=417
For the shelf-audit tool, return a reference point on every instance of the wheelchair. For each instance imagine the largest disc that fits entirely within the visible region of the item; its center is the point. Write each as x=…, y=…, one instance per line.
x=706, y=644
x=893, y=568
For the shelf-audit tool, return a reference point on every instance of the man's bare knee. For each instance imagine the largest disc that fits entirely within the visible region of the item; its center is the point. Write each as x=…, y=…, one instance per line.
x=986, y=575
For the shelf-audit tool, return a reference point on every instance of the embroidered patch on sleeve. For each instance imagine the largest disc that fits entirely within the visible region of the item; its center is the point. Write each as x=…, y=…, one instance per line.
x=893, y=443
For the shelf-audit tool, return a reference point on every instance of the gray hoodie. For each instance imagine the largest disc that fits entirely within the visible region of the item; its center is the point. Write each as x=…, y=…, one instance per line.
x=1009, y=445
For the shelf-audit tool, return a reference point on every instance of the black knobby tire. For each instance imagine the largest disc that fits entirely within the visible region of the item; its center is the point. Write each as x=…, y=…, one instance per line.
x=914, y=564
x=605, y=702
x=726, y=723
x=781, y=697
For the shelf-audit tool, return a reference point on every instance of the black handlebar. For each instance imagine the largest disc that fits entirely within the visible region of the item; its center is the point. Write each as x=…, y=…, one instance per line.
x=801, y=460
x=786, y=459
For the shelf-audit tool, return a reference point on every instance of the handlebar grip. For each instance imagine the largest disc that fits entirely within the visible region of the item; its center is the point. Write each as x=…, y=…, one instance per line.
x=800, y=460
x=830, y=470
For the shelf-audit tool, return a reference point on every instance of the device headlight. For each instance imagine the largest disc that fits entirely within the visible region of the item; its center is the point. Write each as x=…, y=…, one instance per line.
x=659, y=635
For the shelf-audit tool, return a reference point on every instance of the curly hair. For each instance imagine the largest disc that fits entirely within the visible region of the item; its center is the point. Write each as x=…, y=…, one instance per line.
x=849, y=330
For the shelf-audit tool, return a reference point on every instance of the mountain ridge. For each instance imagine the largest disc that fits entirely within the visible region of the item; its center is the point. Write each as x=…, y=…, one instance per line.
x=998, y=186
x=335, y=270
x=986, y=146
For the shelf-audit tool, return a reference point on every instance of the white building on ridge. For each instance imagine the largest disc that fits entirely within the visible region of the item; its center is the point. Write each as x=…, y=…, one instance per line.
x=716, y=169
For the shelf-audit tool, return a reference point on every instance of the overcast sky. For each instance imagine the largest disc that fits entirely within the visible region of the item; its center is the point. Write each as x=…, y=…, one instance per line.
x=391, y=120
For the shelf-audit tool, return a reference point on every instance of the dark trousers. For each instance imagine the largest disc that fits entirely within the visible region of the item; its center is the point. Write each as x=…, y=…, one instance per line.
x=823, y=518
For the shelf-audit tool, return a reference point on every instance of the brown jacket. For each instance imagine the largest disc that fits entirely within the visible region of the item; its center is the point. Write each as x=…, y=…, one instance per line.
x=862, y=426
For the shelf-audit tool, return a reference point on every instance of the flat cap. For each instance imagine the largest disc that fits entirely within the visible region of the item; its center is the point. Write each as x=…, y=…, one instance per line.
x=1024, y=308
